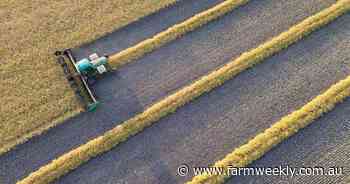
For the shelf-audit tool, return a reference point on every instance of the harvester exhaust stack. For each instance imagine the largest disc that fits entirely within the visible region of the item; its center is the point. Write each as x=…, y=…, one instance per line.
x=78, y=73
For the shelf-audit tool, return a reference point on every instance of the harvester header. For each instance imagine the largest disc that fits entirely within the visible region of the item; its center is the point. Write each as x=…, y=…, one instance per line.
x=81, y=74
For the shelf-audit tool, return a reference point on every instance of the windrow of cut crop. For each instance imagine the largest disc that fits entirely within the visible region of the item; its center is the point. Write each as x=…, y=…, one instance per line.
x=279, y=131
x=169, y=104
x=173, y=32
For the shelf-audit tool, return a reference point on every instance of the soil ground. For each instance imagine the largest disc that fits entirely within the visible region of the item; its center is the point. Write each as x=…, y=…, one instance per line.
x=210, y=127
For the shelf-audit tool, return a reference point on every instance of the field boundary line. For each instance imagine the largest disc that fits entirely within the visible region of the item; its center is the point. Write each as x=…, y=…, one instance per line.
x=279, y=131
x=170, y=104
x=172, y=33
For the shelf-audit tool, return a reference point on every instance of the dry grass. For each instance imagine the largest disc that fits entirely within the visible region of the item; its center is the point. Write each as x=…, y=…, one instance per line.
x=82, y=154
x=34, y=92
x=279, y=131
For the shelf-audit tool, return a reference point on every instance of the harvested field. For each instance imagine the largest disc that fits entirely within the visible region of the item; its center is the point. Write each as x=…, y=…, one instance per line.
x=249, y=7
x=141, y=30
x=206, y=129
x=174, y=32
x=324, y=143
x=34, y=92
x=281, y=130
x=171, y=103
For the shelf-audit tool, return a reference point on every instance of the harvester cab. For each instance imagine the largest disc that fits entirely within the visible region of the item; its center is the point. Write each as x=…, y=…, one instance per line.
x=92, y=66
x=80, y=74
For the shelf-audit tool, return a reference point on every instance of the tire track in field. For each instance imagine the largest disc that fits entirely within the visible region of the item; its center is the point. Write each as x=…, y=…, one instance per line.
x=193, y=135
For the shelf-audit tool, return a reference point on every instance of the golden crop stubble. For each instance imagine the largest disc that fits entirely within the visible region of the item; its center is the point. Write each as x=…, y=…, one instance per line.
x=111, y=138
